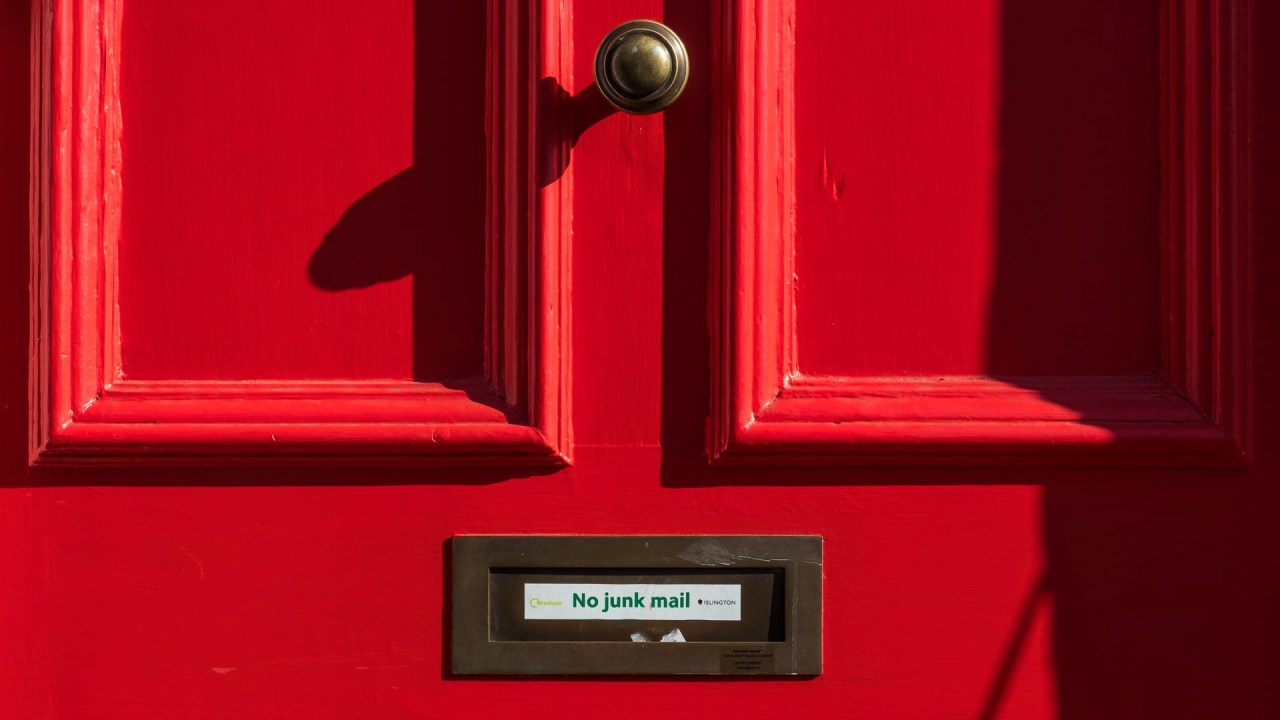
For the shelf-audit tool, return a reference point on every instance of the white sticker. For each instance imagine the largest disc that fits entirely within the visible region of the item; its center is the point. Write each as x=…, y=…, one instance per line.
x=601, y=601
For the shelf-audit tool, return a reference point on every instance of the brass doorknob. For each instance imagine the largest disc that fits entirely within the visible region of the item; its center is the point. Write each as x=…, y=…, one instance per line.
x=641, y=66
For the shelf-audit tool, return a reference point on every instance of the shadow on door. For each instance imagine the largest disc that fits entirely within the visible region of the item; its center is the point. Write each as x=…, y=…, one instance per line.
x=1138, y=564
x=428, y=220
x=1139, y=580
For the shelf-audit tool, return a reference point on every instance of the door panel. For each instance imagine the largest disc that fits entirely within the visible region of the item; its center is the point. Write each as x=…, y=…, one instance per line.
x=1020, y=588
x=1191, y=411
x=245, y=143
x=231, y=248
x=990, y=206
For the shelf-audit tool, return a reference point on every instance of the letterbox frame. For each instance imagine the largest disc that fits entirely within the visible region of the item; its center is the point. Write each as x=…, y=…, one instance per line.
x=474, y=557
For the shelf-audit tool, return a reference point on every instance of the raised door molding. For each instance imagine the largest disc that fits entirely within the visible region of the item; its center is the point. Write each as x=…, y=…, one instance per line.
x=1193, y=414
x=85, y=412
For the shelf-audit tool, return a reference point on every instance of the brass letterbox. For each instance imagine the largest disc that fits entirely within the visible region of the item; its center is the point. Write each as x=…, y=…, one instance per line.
x=637, y=605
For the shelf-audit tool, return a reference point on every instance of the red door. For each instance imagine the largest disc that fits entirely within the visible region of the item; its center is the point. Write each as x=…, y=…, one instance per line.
x=294, y=292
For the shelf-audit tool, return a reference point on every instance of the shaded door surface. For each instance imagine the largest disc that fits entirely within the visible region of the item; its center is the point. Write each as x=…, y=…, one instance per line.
x=296, y=292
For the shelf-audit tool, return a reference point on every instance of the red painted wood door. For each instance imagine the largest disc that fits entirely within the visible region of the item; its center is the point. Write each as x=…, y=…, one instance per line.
x=295, y=292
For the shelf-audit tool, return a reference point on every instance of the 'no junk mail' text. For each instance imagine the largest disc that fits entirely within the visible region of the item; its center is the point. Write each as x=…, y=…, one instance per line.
x=604, y=601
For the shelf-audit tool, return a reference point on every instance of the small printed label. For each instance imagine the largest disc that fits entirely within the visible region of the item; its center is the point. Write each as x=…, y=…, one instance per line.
x=747, y=660
x=601, y=601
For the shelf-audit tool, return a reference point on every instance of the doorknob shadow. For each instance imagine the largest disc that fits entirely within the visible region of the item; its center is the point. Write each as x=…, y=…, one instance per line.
x=427, y=221
x=574, y=115
x=378, y=239
x=586, y=108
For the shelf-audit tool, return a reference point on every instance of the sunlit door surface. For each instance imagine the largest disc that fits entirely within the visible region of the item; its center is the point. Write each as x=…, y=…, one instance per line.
x=319, y=197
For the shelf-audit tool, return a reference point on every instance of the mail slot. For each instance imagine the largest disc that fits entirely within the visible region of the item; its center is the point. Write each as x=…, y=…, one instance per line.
x=629, y=605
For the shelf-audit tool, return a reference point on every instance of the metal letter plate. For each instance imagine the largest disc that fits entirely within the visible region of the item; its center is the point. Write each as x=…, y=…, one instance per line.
x=637, y=605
